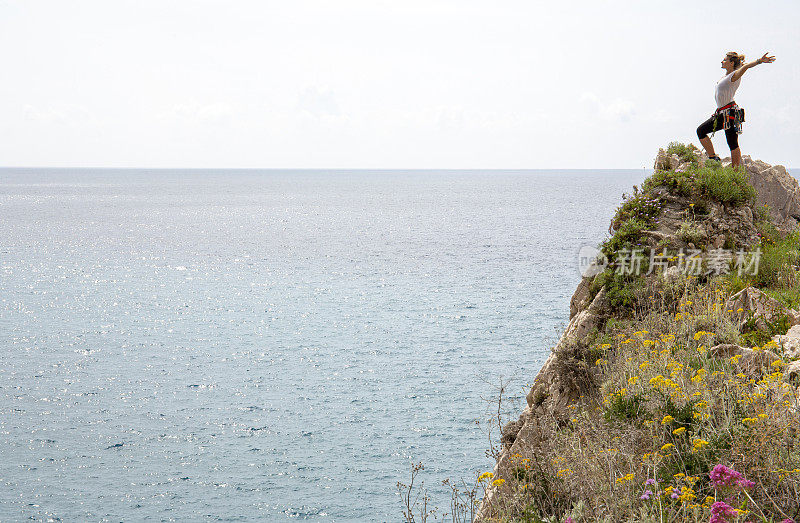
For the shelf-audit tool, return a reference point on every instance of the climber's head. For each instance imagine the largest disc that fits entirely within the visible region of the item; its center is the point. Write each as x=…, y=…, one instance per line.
x=732, y=61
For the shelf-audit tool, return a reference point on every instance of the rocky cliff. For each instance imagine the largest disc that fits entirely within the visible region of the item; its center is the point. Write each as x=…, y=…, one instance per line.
x=690, y=204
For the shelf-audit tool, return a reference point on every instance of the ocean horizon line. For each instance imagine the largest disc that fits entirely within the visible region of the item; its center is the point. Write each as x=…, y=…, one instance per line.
x=328, y=169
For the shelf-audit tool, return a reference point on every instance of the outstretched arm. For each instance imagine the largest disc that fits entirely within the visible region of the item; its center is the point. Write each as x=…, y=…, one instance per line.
x=740, y=71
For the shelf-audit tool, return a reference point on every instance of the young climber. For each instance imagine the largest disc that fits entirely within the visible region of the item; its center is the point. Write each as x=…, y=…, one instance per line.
x=726, y=112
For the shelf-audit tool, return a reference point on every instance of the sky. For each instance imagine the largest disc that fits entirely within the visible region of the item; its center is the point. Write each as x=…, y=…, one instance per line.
x=405, y=84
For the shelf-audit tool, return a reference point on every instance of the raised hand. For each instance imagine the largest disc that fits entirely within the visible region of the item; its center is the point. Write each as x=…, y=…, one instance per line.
x=766, y=59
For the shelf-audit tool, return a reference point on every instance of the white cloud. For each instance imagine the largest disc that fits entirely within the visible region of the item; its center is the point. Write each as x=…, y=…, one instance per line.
x=318, y=101
x=619, y=109
x=214, y=113
x=64, y=114
x=450, y=118
x=662, y=116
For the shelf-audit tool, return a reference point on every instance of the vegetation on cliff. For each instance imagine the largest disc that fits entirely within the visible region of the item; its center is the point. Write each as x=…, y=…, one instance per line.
x=672, y=396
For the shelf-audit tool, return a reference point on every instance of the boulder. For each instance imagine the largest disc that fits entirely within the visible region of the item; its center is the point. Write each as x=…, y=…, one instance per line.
x=665, y=162
x=790, y=343
x=752, y=303
x=776, y=188
x=753, y=363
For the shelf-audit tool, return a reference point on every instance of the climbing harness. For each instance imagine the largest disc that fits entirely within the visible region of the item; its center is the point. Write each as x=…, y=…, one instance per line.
x=733, y=115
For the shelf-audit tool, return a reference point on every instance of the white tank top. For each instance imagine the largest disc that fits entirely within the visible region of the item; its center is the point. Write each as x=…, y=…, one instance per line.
x=726, y=89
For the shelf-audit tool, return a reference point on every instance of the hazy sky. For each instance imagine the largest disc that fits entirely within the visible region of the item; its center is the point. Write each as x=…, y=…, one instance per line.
x=379, y=84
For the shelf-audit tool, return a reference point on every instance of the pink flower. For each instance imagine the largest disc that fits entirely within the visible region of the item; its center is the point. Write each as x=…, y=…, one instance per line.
x=721, y=511
x=745, y=483
x=722, y=476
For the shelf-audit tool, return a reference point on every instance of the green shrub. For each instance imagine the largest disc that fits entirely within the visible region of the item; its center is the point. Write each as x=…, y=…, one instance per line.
x=691, y=233
x=626, y=237
x=687, y=153
x=622, y=290
x=754, y=336
x=680, y=183
x=776, y=261
x=789, y=297
x=642, y=206
x=726, y=185
x=626, y=408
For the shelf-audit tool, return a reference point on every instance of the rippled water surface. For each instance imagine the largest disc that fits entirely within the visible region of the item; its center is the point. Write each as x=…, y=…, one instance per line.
x=241, y=345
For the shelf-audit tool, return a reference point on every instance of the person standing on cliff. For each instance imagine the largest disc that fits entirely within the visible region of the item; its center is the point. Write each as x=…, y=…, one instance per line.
x=726, y=112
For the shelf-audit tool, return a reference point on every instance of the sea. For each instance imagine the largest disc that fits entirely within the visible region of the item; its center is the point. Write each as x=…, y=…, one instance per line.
x=275, y=345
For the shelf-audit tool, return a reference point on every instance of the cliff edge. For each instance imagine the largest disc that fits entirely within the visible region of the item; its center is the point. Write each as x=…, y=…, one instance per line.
x=679, y=357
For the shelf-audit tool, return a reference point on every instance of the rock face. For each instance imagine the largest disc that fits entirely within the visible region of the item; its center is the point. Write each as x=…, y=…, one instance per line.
x=558, y=384
x=789, y=344
x=776, y=188
x=753, y=304
x=753, y=363
x=682, y=226
x=560, y=380
x=666, y=161
x=580, y=298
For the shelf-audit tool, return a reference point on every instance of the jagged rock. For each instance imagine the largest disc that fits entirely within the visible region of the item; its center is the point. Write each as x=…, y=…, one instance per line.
x=753, y=363
x=547, y=399
x=509, y=432
x=790, y=343
x=548, y=383
x=714, y=228
x=673, y=162
x=793, y=371
x=776, y=188
x=663, y=161
x=580, y=298
x=754, y=303
x=774, y=185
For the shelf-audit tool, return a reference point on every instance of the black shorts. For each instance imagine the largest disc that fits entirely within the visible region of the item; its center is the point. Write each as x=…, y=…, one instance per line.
x=716, y=123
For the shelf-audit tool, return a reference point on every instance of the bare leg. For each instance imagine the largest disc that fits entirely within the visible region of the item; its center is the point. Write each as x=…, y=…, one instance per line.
x=736, y=157
x=708, y=146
